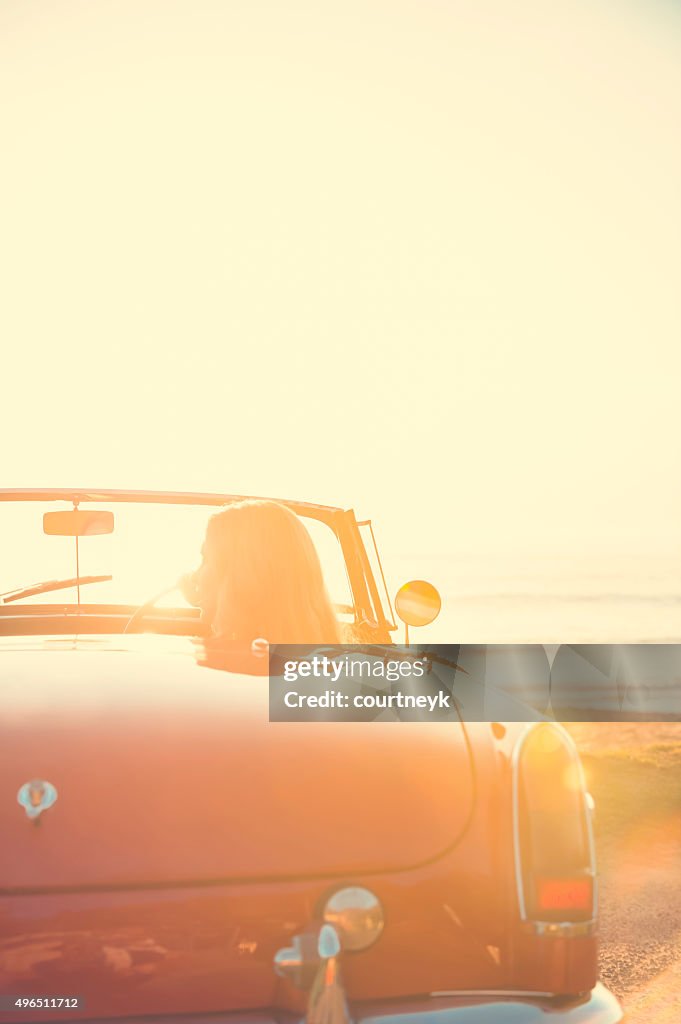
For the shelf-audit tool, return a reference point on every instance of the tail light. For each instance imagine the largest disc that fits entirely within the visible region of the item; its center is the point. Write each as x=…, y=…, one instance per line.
x=555, y=869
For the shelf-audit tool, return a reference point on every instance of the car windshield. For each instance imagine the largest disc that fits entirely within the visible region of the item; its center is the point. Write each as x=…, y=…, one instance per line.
x=151, y=546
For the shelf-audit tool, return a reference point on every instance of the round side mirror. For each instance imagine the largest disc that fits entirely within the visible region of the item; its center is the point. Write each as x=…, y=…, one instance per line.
x=417, y=603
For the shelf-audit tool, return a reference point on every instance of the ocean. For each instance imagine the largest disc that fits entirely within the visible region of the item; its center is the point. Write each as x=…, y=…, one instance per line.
x=618, y=598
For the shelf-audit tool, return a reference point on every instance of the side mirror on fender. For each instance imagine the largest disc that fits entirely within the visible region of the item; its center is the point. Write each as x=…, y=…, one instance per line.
x=417, y=603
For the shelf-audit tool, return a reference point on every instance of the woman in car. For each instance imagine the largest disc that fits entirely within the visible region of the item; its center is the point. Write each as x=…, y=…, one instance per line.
x=261, y=578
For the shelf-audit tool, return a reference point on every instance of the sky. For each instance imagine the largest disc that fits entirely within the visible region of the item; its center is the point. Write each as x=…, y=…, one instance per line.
x=417, y=258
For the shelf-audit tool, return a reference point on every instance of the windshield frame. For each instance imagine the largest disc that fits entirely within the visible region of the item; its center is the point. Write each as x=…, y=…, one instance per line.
x=15, y=619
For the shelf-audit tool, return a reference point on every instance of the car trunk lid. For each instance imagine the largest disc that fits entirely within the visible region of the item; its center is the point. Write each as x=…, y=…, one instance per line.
x=168, y=773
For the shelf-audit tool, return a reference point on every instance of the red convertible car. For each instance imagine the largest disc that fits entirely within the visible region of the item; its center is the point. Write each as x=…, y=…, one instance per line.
x=167, y=853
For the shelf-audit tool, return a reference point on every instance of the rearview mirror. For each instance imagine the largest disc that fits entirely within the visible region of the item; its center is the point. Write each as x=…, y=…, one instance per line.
x=77, y=523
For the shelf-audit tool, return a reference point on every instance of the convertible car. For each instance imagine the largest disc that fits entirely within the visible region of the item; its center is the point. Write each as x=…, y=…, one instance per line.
x=168, y=853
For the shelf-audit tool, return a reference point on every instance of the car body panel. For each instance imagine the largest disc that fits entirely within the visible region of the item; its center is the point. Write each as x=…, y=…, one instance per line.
x=205, y=949
x=191, y=839
x=161, y=760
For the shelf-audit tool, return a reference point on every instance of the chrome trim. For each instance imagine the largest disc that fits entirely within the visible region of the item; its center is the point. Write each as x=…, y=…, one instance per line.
x=36, y=797
x=312, y=963
x=586, y=927
x=517, y=862
x=328, y=943
x=562, y=929
x=597, y=1006
x=356, y=914
x=484, y=992
x=478, y=1007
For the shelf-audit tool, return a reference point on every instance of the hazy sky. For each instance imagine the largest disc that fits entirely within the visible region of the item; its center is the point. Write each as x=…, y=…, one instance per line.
x=421, y=258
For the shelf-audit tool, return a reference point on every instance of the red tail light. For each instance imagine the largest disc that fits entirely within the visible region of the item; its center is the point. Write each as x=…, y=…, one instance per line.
x=555, y=868
x=564, y=893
